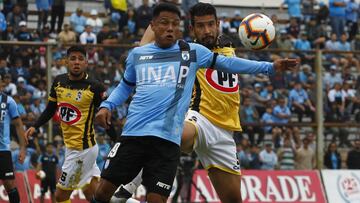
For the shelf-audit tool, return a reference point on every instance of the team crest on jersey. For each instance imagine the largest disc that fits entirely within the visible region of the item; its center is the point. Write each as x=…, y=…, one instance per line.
x=185, y=55
x=69, y=113
x=223, y=82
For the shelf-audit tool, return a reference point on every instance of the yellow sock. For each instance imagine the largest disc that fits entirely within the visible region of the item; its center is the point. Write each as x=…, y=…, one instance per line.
x=66, y=201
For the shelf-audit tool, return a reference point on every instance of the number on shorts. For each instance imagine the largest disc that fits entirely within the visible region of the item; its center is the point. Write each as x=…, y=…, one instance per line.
x=113, y=151
x=63, y=176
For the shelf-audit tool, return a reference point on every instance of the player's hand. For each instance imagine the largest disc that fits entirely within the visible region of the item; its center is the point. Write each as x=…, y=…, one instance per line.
x=22, y=155
x=285, y=64
x=103, y=118
x=29, y=132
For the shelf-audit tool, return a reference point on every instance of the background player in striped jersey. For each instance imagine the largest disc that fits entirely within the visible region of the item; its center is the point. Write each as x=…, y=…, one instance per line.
x=157, y=110
x=76, y=96
x=213, y=114
x=8, y=114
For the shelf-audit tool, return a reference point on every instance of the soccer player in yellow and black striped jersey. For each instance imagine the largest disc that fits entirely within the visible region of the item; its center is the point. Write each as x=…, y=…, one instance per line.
x=76, y=96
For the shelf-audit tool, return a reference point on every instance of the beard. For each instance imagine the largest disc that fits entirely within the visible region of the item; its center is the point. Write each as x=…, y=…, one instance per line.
x=76, y=75
x=209, y=42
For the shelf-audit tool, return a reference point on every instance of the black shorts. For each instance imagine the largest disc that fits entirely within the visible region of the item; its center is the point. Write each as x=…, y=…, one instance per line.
x=48, y=184
x=157, y=157
x=6, y=167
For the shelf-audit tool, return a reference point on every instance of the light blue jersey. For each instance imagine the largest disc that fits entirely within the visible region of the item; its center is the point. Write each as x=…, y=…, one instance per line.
x=164, y=80
x=8, y=111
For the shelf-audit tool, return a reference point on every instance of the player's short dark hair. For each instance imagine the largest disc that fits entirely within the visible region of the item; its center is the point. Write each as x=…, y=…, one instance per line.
x=202, y=9
x=76, y=49
x=165, y=7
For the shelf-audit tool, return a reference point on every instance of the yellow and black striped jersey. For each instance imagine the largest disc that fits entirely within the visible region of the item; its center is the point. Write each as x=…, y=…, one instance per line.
x=76, y=102
x=216, y=95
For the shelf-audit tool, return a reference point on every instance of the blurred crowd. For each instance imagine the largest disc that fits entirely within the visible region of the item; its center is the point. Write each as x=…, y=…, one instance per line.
x=277, y=101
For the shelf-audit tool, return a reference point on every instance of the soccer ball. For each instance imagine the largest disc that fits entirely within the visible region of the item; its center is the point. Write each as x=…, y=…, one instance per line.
x=256, y=31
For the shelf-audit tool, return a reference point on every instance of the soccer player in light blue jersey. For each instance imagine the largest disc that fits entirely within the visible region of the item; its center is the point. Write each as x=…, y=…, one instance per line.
x=163, y=74
x=8, y=114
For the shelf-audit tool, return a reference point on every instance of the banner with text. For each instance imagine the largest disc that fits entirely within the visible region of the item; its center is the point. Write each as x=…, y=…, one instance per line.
x=342, y=186
x=266, y=186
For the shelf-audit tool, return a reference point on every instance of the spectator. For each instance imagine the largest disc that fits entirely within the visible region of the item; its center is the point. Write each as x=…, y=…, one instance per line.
x=23, y=34
x=257, y=101
x=23, y=91
x=249, y=114
x=323, y=13
x=37, y=106
x=78, y=21
x=254, y=158
x=268, y=117
x=332, y=77
x=282, y=112
x=104, y=149
x=57, y=12
x=352, y=16
x=67, y=36
x=332, y=158
x=269, y=93
x=308, y=10
x=21, y=108
x=316, y=33
x=235, y=22
x=242, y=156
x=293, y=29
x=299, y=102
x=58, y=68
x=9, y=34
x=15, y=17
x=47, y=162
x=353, y=156
x=303, y=44
x=144, y=15
x=19, y=70
x=4, y=69
x=306, y=75
x=95, y=22
x=43, y=7
x=284, y=42
x=305, y=157
x=294, y=8
x=347, y=59
x=88, y=37
x=10, y=88
x=337, y=16
x=336, y=100
x=268, y=158
x=286, y=156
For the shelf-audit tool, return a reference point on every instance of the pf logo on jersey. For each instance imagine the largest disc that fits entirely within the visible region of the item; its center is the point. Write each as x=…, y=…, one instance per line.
x=68, y=113
x=224, y=82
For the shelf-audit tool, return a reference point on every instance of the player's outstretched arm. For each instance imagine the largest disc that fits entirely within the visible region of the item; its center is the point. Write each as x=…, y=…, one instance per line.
x=239, y=65
x=120, y=94
x=45, y=116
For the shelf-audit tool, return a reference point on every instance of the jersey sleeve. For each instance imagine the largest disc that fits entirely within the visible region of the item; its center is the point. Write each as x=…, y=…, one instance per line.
x=100, y=94
x=130, y=74
x=204, y=56
x=13, y=112
x=52, y=94
x=244, y=66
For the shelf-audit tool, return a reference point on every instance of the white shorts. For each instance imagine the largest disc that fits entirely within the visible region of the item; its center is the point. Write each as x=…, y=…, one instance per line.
x=79, y=168
x=214, y=146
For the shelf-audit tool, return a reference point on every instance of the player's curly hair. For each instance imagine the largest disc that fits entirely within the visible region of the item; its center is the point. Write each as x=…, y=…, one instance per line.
x=202, y=9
